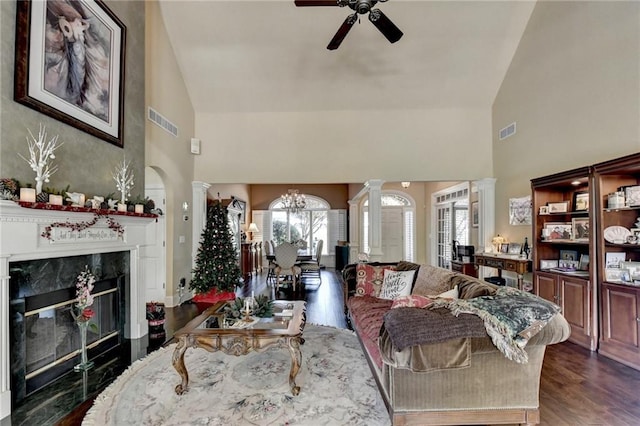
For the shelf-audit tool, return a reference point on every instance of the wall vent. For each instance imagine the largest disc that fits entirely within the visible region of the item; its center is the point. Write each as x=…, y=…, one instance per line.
x=160, y=120
x=510, y=130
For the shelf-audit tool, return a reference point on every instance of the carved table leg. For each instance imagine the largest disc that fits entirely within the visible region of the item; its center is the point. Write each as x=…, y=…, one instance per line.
x=178, y=364
x=296, y=360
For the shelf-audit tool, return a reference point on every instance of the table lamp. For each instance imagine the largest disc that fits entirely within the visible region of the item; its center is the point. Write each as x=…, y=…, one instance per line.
x=251, y=229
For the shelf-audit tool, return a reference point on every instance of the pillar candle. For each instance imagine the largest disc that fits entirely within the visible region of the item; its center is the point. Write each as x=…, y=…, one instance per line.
x=139, y=208
x=28, y=195
x=122, y=207
x=55, y=200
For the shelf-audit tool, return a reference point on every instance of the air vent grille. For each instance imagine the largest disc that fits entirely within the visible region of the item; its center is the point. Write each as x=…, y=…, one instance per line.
x=510, y=130
x=160, y=120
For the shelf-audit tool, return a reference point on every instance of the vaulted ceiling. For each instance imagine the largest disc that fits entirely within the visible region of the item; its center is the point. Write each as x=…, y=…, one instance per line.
x=271, y=56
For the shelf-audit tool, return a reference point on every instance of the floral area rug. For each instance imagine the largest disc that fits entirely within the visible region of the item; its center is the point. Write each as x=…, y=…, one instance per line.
x=337, y=388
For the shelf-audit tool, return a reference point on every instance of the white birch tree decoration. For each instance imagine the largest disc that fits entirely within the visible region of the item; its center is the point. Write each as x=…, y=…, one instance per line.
x=40, y=156
x=124, y=180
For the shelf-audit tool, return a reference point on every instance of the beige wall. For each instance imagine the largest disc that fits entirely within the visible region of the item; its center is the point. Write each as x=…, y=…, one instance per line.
x=344, y=146
x=85, y=162
x=168, y=155
x=573, y=88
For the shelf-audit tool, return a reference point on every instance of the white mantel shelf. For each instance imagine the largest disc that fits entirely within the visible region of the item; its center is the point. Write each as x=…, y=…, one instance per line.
x=21, y=228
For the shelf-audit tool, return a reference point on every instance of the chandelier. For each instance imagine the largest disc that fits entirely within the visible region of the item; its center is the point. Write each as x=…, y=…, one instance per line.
x=293, y=201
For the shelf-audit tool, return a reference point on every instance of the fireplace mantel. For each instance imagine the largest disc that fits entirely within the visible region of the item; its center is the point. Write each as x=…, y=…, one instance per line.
x=21, y=238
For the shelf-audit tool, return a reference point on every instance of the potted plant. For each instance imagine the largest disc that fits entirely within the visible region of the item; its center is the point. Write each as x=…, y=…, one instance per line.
x=217, y=272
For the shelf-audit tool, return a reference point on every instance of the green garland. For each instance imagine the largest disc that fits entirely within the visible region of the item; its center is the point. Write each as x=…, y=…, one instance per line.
x=262, y=308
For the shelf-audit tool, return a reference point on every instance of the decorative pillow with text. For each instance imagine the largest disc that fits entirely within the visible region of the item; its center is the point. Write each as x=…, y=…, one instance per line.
x=396, y=284
x=369, y=279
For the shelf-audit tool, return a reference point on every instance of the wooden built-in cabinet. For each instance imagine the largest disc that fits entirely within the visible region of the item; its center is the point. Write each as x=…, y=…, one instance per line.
x=558, y=201
x=574, y=296
x=620, y=322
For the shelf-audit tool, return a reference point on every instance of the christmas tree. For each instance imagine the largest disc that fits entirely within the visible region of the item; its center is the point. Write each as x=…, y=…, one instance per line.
x=216, y=261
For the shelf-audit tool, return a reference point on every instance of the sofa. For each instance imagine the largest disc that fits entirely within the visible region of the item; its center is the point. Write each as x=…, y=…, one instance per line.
x=436, y=357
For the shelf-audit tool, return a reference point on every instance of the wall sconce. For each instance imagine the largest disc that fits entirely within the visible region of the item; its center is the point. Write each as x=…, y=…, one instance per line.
x=405, y=185
x=251, y=229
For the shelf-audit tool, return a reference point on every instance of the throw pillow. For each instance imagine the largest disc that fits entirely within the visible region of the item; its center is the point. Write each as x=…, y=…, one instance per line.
x=396, y=284
x=411, y=301
x=432, y=280
x=369, y=279
x=449, y=294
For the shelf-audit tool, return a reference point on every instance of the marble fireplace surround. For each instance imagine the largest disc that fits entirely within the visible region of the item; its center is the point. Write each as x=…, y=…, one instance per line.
x=21, y=239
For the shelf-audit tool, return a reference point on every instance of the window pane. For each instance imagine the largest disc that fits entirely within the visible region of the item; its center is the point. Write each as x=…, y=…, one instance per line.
x=279, y=226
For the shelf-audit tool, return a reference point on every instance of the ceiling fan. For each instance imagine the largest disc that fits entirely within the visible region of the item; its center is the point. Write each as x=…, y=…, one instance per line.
x=379, y=19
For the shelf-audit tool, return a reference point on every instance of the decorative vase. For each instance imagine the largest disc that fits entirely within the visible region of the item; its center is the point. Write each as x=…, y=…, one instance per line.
x=85, y=364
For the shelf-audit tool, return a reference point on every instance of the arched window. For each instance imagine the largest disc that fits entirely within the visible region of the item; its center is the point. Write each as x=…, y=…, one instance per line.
x=306, y=227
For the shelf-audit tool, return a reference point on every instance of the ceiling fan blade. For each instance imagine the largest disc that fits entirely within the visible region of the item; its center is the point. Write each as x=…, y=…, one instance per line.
x=342, y=31
x=305, y=3
x=384, y=24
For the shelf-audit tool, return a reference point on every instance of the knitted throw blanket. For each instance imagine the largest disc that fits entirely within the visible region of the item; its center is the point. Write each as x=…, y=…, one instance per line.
x=511, y=317
x=417, y=326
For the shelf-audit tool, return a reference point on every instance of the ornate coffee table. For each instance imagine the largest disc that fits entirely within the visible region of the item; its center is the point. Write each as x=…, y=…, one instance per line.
x=209, y=331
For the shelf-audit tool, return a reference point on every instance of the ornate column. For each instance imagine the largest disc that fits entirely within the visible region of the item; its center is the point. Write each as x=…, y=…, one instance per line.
x=137, y=325
x=354, y=227
x=199, y=203
x=375, y=218
x=5, y=376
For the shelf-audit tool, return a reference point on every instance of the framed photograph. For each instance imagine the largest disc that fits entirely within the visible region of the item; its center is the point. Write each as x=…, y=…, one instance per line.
x=580, y=201
x=616, y=274
x=475, y=215
x=548, y=263
x=543, y=210
x=571, y=265
x=633, y=268
x=557, y=231
x=515, y=248
x=561, y=207
x=613, y=259
x=580, y=228
x=69, y=64
x=569, y=255
x=504, y=248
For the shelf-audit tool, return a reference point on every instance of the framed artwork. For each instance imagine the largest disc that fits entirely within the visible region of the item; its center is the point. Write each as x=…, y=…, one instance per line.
x=580, y=228
x=243, y=211
x=561, y=207
x=543, y=210
x=70, y=64
x=520, y=211
x=584, y=262
x=580, y=201
x=475, y=215
x=617, y=274
x=504, y=248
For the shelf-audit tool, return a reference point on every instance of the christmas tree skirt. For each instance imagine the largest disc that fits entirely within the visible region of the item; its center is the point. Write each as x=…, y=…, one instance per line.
x=205, y=300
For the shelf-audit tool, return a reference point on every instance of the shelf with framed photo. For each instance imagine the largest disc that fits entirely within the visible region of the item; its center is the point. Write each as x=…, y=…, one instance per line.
x=617, y=196
x=562, y=245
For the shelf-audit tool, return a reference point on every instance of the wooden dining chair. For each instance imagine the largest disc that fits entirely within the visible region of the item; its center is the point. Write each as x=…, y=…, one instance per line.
x=286, y=255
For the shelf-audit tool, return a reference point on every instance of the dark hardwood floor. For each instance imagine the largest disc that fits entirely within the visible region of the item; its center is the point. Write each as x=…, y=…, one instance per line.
x=578, y=387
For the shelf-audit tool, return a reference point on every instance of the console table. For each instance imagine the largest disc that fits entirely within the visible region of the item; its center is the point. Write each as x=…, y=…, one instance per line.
x=500, y=262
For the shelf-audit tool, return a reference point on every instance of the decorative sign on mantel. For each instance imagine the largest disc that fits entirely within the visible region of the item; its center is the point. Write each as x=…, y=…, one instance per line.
x=94, y=234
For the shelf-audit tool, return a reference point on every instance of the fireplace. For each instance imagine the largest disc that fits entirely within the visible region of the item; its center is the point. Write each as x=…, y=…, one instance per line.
x=45, y=341
x=37, y=279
